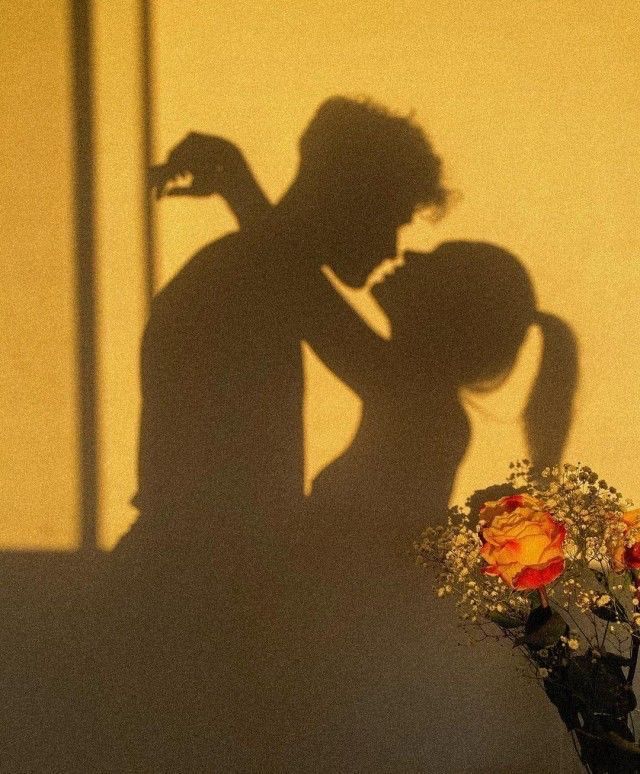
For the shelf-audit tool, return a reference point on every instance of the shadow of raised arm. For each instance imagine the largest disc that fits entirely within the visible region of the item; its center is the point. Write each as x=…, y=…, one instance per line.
x=206, y=165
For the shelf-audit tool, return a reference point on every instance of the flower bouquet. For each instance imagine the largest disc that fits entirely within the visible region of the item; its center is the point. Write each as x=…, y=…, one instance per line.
x=551, y=561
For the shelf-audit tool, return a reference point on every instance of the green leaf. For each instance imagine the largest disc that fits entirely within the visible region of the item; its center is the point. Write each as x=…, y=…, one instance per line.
x=612, y=611
x=506, y=621
x=623, y=744
x=616, y=659
x=578, y=681
x=544, y=628
x=534, y=599
x=601, y=684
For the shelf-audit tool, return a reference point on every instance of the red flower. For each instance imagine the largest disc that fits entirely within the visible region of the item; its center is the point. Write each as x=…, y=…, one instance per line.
x=522, y=542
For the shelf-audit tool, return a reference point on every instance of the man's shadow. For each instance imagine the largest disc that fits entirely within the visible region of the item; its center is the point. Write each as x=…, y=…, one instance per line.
x=208, y=620
x=195, y=621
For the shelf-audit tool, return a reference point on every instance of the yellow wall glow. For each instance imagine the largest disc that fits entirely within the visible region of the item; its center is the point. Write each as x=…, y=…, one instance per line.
x=533, y=107
x=120, y=255
x=38, y=396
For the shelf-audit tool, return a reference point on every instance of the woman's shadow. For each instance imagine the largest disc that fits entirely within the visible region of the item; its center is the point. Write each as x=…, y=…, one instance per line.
x=460, y=315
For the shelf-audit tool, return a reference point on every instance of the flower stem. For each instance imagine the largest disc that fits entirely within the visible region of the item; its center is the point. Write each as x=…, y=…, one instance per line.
x=544, y=597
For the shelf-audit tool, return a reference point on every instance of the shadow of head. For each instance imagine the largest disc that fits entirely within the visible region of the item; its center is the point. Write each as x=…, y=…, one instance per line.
x=465, y=306
x=363, y=174
x=460, y=315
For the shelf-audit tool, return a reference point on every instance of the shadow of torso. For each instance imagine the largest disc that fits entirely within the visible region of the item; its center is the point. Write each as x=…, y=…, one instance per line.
x=222, y=395
x=387, y=678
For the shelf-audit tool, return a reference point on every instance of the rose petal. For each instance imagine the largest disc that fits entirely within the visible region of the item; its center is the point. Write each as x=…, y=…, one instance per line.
x=532, y=550
x=534, y=577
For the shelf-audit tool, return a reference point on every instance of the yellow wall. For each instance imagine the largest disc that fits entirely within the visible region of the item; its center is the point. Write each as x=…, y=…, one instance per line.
x=120, y=255
x=38, y=397
x=534, y=108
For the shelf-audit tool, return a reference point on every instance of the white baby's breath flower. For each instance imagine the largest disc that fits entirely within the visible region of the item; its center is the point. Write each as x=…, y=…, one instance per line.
x=570, y=549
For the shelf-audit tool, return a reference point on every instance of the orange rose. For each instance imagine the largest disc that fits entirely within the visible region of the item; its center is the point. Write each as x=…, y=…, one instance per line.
x=627, y=557
x=522, y=543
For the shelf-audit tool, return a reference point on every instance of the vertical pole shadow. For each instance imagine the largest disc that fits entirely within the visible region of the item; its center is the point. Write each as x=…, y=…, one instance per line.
x=84, y=206
x=146, y=54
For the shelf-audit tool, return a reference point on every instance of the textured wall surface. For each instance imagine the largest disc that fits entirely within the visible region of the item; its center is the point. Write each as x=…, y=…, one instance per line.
x=38, y=387
x=534, y=109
